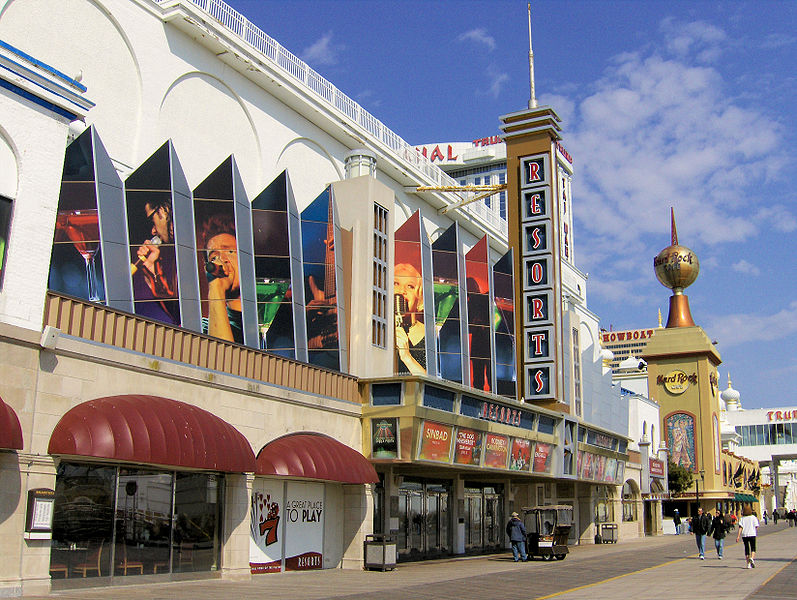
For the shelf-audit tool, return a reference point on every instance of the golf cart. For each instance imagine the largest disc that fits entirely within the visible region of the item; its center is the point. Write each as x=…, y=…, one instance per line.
x=547, y=530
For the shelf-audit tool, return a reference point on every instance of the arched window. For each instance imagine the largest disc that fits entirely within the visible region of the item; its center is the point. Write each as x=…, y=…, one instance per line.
x=629, y=501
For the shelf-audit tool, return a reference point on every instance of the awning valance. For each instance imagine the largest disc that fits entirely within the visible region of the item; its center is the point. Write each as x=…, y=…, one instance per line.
x=10, y=430
x=314, y=456
x=744, y=498
x=152, y=430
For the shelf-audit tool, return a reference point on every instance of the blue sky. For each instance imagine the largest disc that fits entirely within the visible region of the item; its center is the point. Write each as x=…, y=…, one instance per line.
x=683, y=104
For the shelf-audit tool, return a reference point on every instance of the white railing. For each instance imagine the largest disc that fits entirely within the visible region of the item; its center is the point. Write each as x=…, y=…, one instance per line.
x=292, y=65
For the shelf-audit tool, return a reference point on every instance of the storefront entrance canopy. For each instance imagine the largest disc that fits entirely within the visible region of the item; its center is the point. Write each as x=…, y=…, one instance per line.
x=152, y=430
x=314, y=456
x=10, y=431
x=744, y=498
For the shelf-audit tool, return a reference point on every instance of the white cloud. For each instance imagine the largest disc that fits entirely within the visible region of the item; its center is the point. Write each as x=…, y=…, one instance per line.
x=496, y=80
x=323, y=52
x=660, y=129
x=478, y=36
x=733, y=330
x=746, y=268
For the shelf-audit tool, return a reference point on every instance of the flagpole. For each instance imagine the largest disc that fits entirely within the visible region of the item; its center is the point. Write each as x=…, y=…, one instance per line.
x=533, y=98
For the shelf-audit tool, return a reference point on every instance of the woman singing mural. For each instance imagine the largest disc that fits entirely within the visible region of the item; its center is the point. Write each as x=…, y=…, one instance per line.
x=410, y=329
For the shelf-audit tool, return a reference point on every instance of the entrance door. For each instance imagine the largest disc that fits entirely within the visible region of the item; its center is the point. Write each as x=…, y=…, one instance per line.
x=493, y=519
x=424, y=520
x=484, y=518
x=473, y=520
x=437, y=541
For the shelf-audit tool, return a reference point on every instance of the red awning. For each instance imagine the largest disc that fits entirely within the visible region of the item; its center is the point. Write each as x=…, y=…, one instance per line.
x=152, y=430
x=10, y=431
x=314, y=456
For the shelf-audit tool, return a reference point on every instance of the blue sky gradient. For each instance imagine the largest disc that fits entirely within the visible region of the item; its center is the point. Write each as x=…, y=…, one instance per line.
x=683, y=104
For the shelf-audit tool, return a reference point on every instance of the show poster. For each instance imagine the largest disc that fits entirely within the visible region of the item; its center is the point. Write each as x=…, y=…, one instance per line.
x=320, y=281
x=587, y=468
x=680, y=429
x=496, y=451
x=304, y=526
x=521, y=455
x=217, y=256
x=384, y=438
x=477, y=271
x=150, y=232
x=611, y=470
x=620, y=476
x=266, y=526
x=542, y=458
x=600, y=466
x=468, y=448
x=271, y=240
x=445, y=266
x=435, y=443
x=408, y=299
x=504, y=323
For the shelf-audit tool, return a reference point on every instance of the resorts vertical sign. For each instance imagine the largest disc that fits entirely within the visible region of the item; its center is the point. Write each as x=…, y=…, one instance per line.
x=537, y=252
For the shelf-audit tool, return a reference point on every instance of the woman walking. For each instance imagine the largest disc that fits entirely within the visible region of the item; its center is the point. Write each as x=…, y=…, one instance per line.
x=748, y=526
x=717, y=531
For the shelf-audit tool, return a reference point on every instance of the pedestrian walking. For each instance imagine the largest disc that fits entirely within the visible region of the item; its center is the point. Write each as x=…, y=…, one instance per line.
x=775, y=516
x=764, y=516
x=718, y=531
x=676, y=520
x=748, y=527
x=517, y=537
x=700, y=527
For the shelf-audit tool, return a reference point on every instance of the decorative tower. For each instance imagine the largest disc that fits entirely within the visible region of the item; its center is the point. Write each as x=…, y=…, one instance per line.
x=682, y=378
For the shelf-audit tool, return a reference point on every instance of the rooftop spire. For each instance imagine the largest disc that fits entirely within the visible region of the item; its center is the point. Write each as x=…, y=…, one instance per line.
x=673, y=230
x=533, y=98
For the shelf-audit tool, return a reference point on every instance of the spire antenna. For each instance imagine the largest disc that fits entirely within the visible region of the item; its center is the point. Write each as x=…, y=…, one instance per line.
x=673, y=230
x=533, y=98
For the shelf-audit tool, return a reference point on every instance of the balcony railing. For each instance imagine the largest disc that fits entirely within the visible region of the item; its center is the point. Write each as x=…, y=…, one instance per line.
x=98, y=323
x=297, y=69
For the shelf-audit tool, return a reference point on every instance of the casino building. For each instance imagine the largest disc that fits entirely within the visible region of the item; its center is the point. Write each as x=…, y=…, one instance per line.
x=206, y=371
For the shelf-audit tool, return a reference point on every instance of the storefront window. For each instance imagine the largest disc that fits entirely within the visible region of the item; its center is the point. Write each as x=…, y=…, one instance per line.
x=603, y=508
x=629, y=503
x=123, y=517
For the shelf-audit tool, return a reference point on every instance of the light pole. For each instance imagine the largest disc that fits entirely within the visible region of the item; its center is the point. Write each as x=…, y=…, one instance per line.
x=697, y=486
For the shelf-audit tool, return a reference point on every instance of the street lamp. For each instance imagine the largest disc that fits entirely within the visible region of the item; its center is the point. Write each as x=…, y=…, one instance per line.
x=697, y=485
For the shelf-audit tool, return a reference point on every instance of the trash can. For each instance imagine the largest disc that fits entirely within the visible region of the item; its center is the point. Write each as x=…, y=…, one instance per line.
x=609, y=533
x=380, y=552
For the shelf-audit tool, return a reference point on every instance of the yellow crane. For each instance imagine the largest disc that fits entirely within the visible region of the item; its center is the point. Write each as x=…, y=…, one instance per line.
x=481, y=191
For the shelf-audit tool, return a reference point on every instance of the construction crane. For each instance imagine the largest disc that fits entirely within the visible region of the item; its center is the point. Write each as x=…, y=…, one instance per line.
x=481, y=191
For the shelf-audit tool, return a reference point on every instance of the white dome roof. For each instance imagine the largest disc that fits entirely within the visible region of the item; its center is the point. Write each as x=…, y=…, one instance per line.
x=631, y=363
x=730, y=395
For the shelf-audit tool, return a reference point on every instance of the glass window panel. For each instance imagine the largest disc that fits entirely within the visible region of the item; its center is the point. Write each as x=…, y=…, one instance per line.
x=82, y=520
x=197, y=522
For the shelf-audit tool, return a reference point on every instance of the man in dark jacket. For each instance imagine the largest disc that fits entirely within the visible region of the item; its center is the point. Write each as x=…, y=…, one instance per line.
x=701, y=524
x=517, y=536
x=718, y=531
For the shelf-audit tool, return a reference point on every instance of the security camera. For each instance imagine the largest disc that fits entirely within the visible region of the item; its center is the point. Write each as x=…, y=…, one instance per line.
x=642, y=365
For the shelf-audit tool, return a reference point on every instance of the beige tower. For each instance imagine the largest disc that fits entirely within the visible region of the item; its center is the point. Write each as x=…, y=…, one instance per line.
x=682, y=378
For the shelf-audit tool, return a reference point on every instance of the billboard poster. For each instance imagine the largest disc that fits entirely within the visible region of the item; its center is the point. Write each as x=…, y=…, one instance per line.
x=271, y=241
x=542, y=458
x=320, y=281
x=384, y=438
x=76, y=266
x=496, y=451
x=600, y=466
x=479, y=316
x=520, y=457
x=468, y=448
x=445, y=266
x=620, y=476
x=578, y=462
x=435, y=442
x=304, y=526
x=611, y=470
x=680, y=429
x=587, y=468
x=151, y=238
x=217, y=256
x=266, y=526
x=504, y=326
x=408, y=299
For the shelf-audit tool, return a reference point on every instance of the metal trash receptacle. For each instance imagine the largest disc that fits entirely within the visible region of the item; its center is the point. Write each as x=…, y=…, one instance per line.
x=380, y=552
x=609, y=533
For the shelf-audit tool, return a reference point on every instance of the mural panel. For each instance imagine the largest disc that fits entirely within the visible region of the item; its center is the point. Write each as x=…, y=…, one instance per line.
x=680, y=428
x=408, y=299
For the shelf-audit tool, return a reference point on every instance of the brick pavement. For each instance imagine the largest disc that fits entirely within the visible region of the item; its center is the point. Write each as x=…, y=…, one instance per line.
x=651, y=568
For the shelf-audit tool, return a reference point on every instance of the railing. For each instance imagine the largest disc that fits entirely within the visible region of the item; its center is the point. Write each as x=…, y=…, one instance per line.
x=98, y=323
x=323, y=89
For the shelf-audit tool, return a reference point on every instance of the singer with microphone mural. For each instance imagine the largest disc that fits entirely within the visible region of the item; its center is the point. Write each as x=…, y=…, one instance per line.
x=410, y=329
x=153, y=265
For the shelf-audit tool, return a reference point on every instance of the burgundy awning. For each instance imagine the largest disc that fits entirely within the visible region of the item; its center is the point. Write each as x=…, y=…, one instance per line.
x=152, y=430
x=10, y=430
x=314, y=456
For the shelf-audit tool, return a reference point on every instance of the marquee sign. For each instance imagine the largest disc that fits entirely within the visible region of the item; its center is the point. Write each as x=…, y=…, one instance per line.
x=676, y=382
x=537, y=276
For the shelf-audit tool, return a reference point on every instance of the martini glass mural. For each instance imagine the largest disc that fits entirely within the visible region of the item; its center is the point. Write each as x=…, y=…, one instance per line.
x=270, y=294
x=81, y=227
x=445, y=298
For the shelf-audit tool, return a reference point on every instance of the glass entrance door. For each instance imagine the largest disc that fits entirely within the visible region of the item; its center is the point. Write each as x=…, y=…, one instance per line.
x=484, y=518
x=493, y=519
x=423, y=520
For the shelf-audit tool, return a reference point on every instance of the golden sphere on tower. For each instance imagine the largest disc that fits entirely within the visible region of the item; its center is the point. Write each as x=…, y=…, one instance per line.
x=676, y=267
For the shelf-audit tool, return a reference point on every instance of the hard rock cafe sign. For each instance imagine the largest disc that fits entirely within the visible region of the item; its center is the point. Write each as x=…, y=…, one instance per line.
x=676, y=382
